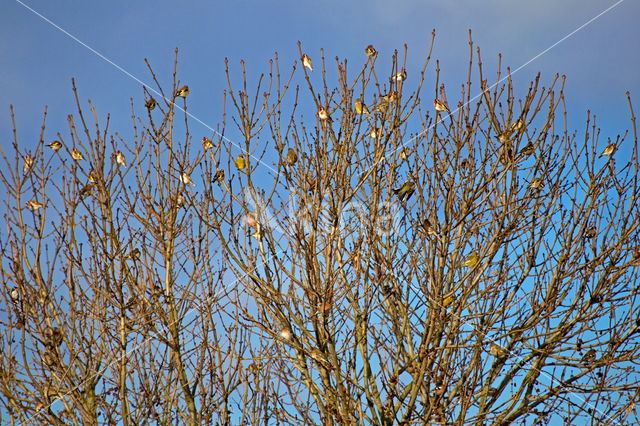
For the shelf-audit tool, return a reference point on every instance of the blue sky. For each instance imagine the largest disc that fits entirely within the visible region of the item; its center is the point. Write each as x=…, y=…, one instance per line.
x=37, y=60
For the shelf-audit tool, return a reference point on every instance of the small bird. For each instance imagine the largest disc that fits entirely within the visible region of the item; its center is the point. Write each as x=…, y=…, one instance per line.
x=527, y=150
x=259, y=233
x=404, y=153
x=371, y=51
x=448, y=300
x=186, y=179
x=14, y=295
x=609, y=150
x=219, y=175
x=134, y=254
x=92, y=176
x=120, y=159
x=55, y=145
x=76, y=154
x=472, y=260
x=291, y=157
x=323, y=114
x=536, y=183
x=286, y=333
x=28, y=162
x=306, y=62
x=240, y=162
x=376, y=133
x=517, y=125
x=207, y=143
x=317, y=355
x=504, y=137
x=361, y=108
x=251, y=220
x=591, y=232
x=497, y=350
x=400, y=76
x=150, y=104
x=440, y=105
x=34, y=205
x=589, y=356
x=183, y=92
x=405, y=191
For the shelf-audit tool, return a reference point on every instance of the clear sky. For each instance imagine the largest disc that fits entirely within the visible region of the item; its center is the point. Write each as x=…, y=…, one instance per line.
x=38, y=60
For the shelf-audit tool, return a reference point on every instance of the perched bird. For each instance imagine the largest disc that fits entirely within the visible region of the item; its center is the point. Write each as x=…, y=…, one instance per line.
x=610, y=149
x=405, y=191
x=28, y=162
x=370, y=51
x=150, y=104
x=591, y=232
x=527, y=150
x=589, y=356
x=134, y=254
x=251, y=220
x=472, y=260
x=291, y=157
x=55, y=145
x=219, y=175
x=183, y=92
x=497, y=350
x=34, y=205
x=536, y=183
x=317, y=355
x=440, y=105
x=400, y=76
x=207, y=143
x=306, y=62
x=361, y=108
x=286, y=333
x=448, y=300
x=120, y=159
x=404, y=153
x=518, y=125
x=504, y=137
x=376, y=133
x=14, y=295
x=323, y=114
x=186, y=179
x=92, y=176
x=76, y=154
x=240, y=162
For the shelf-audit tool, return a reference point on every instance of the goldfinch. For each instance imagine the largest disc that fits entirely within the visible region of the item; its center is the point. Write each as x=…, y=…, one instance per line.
x=471, y=260
x=527, y=150
x=34, y=205
x=448, y=300
x=536, y=183
x=291, y=157
x=517, y=125
x=183, y=92
x=219, y=175
x=285, y=333
x=400, y=76
x=186, y=179
x=55, y=145
x=241, y=162
x=370, y=51
x=405, y=191
x=14, y=295
x=440, y=105
x=207, y=143
x=497, y=350
x=404, y=153
x=361, y=108
x=323, y=114
x=504, y=137
x=376, y=133
x=76, y=154
x=28, y=162
x=150, y=104
x=590, y=355
x=306, y=62
x=120, y=159
x=609, y=150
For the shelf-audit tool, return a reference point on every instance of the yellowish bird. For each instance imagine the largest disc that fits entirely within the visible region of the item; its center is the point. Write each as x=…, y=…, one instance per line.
x=536, y=183
x=55, y=145
x=34, y=205
x=504, y=137
x=405, y=191
x=518, y=125
x=219, y=175
x=370, y=51
x=376, y=133
x=183, y=92
x=186, y=179
x=92, y=176
x=440, y=105
x=591, y=232
x=400, y=76
x=472, y=260
x=291, y=157
x=28, y=162
x=323, y=114
x=317, y=355
x=528, y=149
x=404, y=153
x=150, y=104
x=241, y=162
x=14, y=295
x=120, y=158
x=76, y=154
x=286, y=333
x=448, y=300
x=306, y=62
x=590, y=355
x=207, y=143
x=134, y=254
x=497, y=350
x=361, y=108
x=609, y=150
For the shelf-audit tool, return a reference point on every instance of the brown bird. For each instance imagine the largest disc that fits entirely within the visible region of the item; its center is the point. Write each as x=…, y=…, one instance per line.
x=150, y=104
x=28, y=162
x=291, y=157
x=306, y=62
x=183, y=92
x=120, y=159
x=440, y=105
x=323, y=114
x=400, y=76
x=609, y=150
x=34, y=205
x=76, y=154
x=207, y=143
x=370, y=51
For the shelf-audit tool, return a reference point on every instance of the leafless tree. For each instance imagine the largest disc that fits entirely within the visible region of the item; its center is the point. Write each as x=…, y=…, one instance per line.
x=341, y=248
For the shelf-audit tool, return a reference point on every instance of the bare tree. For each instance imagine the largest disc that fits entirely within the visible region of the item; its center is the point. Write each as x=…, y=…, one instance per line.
x=343, y=252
